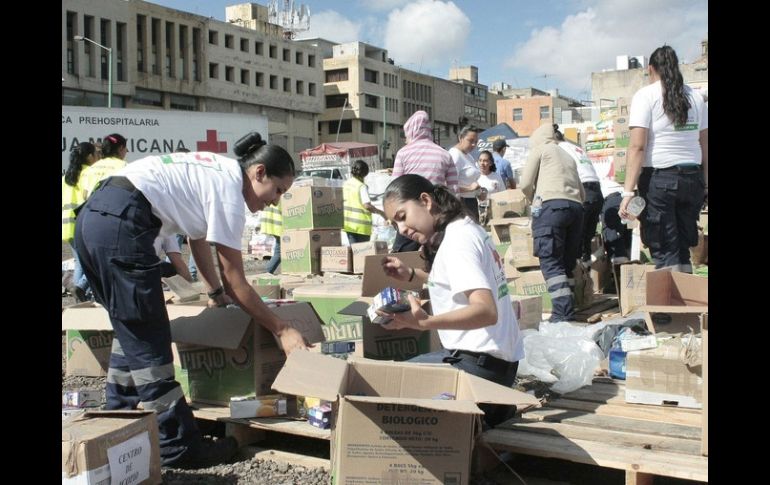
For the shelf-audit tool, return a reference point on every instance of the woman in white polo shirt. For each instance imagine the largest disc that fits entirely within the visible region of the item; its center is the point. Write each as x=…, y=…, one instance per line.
x=668, y=157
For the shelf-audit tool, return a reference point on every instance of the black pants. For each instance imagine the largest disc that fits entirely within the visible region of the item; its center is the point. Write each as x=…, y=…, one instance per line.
x=592, y=207
x=114, y=236
x=669, y=222
x=403, y=244
x=556, y=233
x=616, y=235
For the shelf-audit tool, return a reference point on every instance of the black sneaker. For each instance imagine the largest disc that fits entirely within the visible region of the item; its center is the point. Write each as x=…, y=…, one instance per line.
x=207, y=454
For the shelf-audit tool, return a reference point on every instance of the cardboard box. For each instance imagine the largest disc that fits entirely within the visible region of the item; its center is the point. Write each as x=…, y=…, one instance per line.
x=258, y=406
x=111, y=447
x=312, y=207
x=336, y=258
x=632, y=286
x=660, y=376
x=619, y=162
x=301, y=250
x=88, y=351
x=500, y=229
x=328, y=300
x=704, y=449
x=520, y=253
x=83, y=398
x=622, y=131
x=531, y=283
x=528, y=310
x=266, y=286
x=675, y=301
x=386, y=424
x=507, y=203
x=361, y=250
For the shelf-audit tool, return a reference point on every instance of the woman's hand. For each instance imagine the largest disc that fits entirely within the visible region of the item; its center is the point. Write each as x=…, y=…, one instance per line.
x=291, y=340
x=395, y=268
x=415, y=318
x=623, y=209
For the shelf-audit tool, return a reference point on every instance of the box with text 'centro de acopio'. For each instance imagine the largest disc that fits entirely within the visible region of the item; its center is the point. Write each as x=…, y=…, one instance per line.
x=390, y=420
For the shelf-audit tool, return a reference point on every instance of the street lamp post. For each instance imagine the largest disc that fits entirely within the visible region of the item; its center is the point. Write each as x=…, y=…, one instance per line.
x=339, y=124
x=109, y=66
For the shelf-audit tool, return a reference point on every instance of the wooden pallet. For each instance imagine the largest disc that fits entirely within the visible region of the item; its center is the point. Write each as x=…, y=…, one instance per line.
x=249, y=429
x=594, y=425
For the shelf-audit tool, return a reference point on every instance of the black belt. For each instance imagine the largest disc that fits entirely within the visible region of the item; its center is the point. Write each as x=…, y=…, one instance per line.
x=121, y=182
x=592, y=185
x=683, y=169
x=483, y=360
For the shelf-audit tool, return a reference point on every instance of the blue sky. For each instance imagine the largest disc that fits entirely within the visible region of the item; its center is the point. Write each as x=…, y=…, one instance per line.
x=545, y=44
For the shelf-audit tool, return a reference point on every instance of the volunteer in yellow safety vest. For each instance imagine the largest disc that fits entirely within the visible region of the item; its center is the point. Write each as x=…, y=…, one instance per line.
x=114, y=152
x=272, y=224
x=358, y=208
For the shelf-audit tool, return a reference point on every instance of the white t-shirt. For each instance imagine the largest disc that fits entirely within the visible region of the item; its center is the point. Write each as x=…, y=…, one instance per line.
x=363, y=192
x=199, y=194
x=668, y=145
x=467, y=260
x=166, y=244
x=467, y=171
x=586, y=170
x=492, y=182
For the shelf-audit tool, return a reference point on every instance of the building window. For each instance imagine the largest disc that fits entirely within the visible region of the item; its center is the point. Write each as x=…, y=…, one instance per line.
x=311, y=89
x=273, y=51
x=168, y=61
x=298, y=58
x=230, y=74
x=345, y=127
x=245, y=76
x=370, y=76
x=336, y=100
x=545, y=112
x=287, y=85
x=179, y=101
x=196, y=52
x=287, y=55
x=273, y=81
x=310, y=60
x=337, y=75
x=154, y=43
x=300, y=87
x=148, y=98
x=245, y=45
x=140, y=21
x=71, y=21
x=120, y=51
x=259, y=48
x=518, y=114
x=229, y=41
x=259, y=78
x=367, y=127
x=213, y=70
x=371, y=101
x=213, y=37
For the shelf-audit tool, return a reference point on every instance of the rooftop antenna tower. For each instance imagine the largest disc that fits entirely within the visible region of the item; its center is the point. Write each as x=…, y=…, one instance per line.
x=293, y=19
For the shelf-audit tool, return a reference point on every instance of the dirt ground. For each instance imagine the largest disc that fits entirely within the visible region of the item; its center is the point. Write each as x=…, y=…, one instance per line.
x=246, y=469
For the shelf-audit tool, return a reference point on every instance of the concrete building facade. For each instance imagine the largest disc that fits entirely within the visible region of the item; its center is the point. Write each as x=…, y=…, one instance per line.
x=169, y=59
x=526, y=114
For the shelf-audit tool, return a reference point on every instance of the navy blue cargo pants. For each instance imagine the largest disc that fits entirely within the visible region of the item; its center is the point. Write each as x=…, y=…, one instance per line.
x=592, y=207
x=669, y=222
x=114, y=236
x=556, y=233
x=616, y=235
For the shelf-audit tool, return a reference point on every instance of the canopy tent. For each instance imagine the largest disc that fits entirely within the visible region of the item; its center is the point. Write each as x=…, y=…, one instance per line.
x=340, y=153
x=490, y=135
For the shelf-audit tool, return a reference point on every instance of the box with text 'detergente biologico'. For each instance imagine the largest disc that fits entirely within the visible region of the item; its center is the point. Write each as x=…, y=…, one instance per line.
x=396, y=422
x=312, y=207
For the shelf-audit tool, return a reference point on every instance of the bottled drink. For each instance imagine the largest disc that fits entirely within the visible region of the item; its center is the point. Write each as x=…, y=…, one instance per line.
x=635, y=207
x=537, y=206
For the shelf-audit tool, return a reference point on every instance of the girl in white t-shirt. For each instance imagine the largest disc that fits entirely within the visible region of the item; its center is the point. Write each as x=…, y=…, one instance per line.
x=472, y=309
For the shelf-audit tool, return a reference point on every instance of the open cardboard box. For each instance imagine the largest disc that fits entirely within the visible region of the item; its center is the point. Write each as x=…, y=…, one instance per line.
x=387, y=425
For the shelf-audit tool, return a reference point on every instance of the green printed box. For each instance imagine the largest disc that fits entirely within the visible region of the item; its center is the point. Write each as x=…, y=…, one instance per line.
x=301, y=250
x=327, y=301
x=88, y=352
x=532, y=283
x=312, y=207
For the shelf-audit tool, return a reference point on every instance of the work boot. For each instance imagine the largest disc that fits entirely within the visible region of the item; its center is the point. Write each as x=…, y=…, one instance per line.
x=207, y=453
x=77, y=292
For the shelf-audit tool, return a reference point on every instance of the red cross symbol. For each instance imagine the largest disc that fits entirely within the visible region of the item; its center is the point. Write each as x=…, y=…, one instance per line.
x=211, y=144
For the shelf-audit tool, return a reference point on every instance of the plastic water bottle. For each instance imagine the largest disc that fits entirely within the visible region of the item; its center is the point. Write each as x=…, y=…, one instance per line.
x=537, y=206
x=635, y=207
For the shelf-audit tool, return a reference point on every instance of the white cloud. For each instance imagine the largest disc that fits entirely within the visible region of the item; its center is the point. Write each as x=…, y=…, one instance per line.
x=382, y=5
x=333, y=26
x=590, y=40
x=428, y=33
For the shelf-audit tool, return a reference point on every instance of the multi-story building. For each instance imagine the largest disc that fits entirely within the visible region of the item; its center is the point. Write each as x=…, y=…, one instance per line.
x=169, y=59
x=526, y=109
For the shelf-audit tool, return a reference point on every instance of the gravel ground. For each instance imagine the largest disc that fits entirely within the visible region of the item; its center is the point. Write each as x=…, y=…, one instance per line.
x=250, y=470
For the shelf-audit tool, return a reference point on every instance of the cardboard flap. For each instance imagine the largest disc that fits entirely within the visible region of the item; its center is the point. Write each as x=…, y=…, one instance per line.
x=665, y=287
x=302, y=317
x=357, y=308
x=484, y=391
x=86, y=316
x=375, y=278
x=454, y=406
x=312, y=374
x=210, y=327
x=182, y=289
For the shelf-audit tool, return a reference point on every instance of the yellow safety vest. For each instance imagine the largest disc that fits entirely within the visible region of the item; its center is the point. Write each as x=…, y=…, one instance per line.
x=358, y=219
x=90, y=176
x=272, y=221
x=71, y=197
